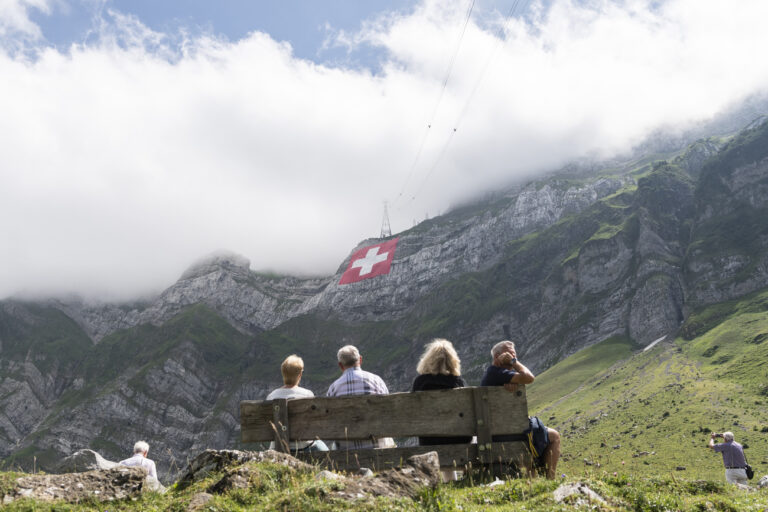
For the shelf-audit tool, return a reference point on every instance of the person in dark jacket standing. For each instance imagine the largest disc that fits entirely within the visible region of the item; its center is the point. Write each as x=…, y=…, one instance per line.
x=733, y=457
x=440, y=368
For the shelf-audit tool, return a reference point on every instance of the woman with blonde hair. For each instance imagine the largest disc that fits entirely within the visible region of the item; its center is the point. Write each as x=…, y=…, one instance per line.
x=439, y=368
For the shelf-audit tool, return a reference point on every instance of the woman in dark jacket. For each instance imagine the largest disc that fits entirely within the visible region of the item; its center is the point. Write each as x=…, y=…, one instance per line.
x=439, y=368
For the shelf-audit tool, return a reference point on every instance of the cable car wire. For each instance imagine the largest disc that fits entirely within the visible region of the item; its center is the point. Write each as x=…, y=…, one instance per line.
x=462, y=113
x=448, y=72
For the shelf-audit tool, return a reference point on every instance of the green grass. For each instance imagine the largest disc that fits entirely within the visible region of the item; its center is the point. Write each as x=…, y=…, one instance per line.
x=567, y=375
x=274, y=487
x=616, y=405
x=52, y=340
x=736, y=349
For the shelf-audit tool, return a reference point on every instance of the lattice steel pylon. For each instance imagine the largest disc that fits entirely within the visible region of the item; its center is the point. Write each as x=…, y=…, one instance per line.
x=386, y=231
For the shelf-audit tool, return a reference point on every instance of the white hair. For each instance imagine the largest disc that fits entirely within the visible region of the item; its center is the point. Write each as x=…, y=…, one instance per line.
x=141, y=447
x=348, y=356
x=728, y=436
x=501, y=347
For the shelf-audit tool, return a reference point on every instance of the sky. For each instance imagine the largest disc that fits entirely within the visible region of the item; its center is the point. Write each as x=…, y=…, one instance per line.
x=137, y=136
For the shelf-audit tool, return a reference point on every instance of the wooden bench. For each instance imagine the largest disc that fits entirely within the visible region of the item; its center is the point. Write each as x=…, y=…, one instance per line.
x=482, y=411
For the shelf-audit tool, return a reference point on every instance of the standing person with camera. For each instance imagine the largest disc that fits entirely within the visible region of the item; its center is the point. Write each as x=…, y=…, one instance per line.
x=733, y=457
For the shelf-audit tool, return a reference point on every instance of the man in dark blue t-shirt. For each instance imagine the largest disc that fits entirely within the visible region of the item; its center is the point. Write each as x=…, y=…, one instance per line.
x=507, y=371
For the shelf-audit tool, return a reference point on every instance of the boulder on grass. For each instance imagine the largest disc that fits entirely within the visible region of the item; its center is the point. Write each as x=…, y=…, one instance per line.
x=418, y=472
x=84, y=460
x=118, y=483
x=213, y=461
x=89, y=460
x=578, y=494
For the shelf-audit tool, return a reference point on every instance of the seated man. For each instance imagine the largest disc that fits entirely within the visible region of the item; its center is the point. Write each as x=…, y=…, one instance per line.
x=507, y=371
x=139, y=458
x=292, y=369
x=356, y=381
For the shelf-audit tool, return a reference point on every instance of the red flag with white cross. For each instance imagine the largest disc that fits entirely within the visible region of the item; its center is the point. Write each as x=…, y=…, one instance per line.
x=370, y=261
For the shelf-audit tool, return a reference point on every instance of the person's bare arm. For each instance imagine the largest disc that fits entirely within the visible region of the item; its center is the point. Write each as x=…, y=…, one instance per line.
x=524, y=375
x=712, y=440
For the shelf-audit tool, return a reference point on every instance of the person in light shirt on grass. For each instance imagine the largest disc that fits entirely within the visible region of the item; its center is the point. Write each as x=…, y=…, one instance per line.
x=139, y=458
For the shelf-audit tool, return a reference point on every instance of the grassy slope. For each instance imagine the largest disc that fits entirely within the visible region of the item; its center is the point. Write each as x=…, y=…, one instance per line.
x=567, y=375
x=44, y=334
x=665, y=400
x=273, y=487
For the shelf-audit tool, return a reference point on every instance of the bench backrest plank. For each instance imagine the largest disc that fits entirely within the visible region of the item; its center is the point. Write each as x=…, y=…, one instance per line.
x=452, y=412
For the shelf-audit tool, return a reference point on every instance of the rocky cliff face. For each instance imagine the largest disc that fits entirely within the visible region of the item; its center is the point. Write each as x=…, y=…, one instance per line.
x=426, y=257
x=557, y=265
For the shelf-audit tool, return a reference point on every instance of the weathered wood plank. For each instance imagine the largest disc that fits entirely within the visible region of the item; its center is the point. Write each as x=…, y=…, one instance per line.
x=280, y=424
x=255, y=418
x=483, y=423
x=458, y=455
x=425, y=413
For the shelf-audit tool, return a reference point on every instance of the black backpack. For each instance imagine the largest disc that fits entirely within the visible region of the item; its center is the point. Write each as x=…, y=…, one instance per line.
x=537, y=438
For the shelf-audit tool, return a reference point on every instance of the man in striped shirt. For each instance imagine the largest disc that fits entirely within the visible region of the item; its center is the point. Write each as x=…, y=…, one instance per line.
x=356, y=381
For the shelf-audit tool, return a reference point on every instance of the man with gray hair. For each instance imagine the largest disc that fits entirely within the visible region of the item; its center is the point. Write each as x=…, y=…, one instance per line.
x=140, y=450
x=507, y=371
x=356, y=381
x=733, y=457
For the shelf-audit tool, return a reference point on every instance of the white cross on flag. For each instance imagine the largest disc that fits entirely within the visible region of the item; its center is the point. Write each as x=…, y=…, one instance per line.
x=370, y=261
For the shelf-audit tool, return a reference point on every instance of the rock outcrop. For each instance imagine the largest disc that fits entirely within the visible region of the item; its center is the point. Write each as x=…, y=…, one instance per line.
x=84, y=460
x=427, y=256
x=214, y=461
x=407, y=480
x=118, y=483
x=577, y=494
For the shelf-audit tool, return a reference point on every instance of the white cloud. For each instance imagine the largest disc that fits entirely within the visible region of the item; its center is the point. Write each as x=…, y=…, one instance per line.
x=123, y=160
x=15, y=21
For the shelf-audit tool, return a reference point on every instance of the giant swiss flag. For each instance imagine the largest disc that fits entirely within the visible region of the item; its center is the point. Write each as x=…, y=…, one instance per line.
x=370, y=261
